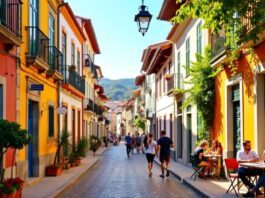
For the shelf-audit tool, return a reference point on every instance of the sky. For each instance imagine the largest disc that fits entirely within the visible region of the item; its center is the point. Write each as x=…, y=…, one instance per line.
x=120, y=43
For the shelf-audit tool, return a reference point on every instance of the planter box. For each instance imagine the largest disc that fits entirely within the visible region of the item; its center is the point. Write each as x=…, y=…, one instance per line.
x=17, y=194
x=53, y=171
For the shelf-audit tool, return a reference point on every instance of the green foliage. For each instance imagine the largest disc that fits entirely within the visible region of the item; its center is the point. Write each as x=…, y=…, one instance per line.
x=119, y=90
x=94, y=142
x=202, y=91
x=62, y=142
x=219, y=15
x=11, y=136
x=140, y=123
x=82, y=147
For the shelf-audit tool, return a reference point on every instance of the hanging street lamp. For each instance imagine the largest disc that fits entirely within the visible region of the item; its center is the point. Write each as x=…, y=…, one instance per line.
x=143, y=18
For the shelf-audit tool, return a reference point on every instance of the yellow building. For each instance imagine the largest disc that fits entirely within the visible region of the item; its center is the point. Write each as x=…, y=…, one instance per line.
x=38, y=78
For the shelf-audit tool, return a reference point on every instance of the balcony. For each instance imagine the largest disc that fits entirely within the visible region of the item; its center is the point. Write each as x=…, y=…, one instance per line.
x=55, y=63
x=149, y=113
x=88, y=105
x=71, y=77
x=176, y=81
x=10, y=22
x=90, y=65
x=38, y=51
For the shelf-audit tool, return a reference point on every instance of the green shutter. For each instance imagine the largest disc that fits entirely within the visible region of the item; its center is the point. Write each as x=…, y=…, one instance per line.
x=51, y=121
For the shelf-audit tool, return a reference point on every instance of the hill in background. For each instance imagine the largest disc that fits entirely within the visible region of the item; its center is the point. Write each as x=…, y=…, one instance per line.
x=118, y=90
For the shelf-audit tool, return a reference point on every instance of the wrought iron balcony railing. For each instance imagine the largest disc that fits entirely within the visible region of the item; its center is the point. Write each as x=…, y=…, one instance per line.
x=55, y=58
x=89, y=63
x=88, y=104
x=38, y=42
x=176, y=81
x=10, y=16
x=73, y=78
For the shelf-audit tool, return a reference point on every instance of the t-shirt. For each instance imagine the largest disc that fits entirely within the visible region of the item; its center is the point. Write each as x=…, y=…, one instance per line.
x=164, y=143
x=138, y=140
x=197, y=153
x=242, y=155
x=128, y=139
x=152, y=148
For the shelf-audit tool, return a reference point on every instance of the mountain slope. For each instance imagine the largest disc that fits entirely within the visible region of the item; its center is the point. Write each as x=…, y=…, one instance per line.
x=118, y=90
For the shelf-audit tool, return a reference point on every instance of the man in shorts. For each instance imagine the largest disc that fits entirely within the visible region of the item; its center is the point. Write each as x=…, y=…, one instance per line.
x=164, y=144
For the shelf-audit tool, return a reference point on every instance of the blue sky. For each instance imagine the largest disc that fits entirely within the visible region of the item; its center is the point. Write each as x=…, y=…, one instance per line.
x=120, y=42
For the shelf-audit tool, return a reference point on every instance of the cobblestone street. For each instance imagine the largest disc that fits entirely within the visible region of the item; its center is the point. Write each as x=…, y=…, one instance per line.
x=116, y=176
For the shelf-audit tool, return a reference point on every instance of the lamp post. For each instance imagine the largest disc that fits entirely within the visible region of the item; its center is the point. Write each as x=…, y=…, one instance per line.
x=143, y=18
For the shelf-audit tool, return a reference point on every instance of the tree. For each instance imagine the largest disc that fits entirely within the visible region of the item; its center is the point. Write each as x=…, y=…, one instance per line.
x=11, y=136
x=140, y=123
x=240, y=20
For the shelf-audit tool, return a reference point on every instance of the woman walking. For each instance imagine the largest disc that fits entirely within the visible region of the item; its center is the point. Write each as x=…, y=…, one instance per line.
x=150, y=153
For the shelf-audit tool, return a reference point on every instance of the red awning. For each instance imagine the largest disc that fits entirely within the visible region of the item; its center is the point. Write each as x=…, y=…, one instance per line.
x=99, y=89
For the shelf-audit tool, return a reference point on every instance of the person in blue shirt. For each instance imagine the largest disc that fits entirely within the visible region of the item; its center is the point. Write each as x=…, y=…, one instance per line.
x=128, y=143
x=164, y=144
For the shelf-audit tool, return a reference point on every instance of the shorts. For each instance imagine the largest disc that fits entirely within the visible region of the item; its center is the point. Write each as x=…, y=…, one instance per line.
x=164, y=158
x=150, y=157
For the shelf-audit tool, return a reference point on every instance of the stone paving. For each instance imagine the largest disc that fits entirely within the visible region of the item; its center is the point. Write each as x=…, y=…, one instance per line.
x=119, y=177
x=54, y=186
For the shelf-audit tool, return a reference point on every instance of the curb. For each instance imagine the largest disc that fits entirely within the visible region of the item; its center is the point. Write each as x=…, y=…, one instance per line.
x=74, y=181
x=188, y=184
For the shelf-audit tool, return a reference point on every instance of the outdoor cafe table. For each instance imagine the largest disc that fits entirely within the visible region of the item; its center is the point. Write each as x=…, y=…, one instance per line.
x=257, y=165
x=215, y=156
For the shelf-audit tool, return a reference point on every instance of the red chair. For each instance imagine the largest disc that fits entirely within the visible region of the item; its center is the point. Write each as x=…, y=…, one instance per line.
x=232, y=167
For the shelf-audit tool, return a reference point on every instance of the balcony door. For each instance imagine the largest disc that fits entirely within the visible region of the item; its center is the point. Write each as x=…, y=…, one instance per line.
x=33, y=22
x=3, y=9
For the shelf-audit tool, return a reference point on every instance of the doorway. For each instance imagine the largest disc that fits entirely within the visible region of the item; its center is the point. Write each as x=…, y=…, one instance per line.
x=33, y=147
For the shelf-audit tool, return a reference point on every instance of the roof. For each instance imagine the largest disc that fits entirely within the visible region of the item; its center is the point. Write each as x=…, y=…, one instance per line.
x=139, y=80
x=163, y=52
x=91, y=33
x=177, y=30
x=168, y=9
x=70, y=11
x=148, y=54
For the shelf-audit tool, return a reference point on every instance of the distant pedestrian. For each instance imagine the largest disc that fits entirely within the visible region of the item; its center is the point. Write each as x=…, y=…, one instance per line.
x=133, y=143
x=145, y=141
x=150, y=153
x=138, y=140
x=128, y=142
x=164, y=144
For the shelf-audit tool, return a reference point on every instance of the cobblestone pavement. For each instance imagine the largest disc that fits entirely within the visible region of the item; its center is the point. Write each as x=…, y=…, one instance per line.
x=116, y=176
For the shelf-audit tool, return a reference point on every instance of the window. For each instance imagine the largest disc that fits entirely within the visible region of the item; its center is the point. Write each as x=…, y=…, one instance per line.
x=33, y=11
x=51, y=121
x=51, y=30
x=164, y=81
x=199, y=38
x=187, y=56
x=64, y=48
x=78, y=62
x=179, y=74
x=1, y=101
x=73, y=54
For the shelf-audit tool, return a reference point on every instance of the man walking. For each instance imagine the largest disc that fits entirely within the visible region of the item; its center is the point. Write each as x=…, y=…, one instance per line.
x=164, y=144
x=128, y=142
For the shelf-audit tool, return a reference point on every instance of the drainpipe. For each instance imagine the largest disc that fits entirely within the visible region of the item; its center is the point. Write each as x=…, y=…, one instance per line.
x=58, y=45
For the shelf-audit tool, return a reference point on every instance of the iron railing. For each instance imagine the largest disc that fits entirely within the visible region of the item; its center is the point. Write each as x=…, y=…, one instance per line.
x=55, y=58
x=38, y=43
x=73, y=78
x=88, y=104
x=89, y=63
x=10, y=16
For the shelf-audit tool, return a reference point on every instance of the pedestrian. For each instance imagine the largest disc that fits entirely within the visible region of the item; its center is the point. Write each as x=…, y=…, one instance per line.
x=150, y=153
x=164, y=144
x=145, y=141
x=138, y=143
x=133, y=143
x=128, y=143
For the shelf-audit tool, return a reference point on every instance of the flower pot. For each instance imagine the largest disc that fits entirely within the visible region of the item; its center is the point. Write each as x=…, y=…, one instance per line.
x=19, y=193
x=12, y=195
x=73, y=165
x=78, y=161
x=53, y=171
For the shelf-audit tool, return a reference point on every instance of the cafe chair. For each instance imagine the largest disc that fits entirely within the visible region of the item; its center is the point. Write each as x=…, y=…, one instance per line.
x=197, y=169
x=232, y=168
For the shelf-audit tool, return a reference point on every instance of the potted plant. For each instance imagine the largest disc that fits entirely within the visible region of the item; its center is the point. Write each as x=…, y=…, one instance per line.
x=11, y=137
x=94, y=144
x=56, y=168
x=167, y=76
x=82, y=147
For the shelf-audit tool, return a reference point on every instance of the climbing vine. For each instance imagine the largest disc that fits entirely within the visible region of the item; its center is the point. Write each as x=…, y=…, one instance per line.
x=234, y=17
x=202, y=91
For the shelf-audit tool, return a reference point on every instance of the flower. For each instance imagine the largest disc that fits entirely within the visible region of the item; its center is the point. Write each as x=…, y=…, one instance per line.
x=11, y=185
